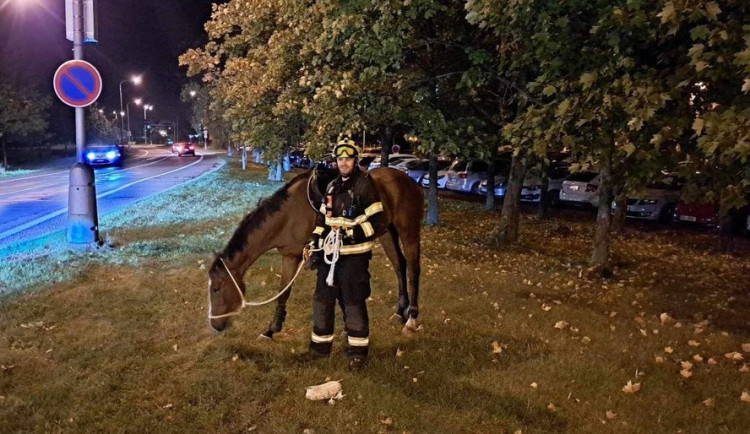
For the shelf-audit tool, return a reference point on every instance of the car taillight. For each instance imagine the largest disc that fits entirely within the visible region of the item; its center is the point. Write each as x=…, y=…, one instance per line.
x=591, y=188
x=463, y=175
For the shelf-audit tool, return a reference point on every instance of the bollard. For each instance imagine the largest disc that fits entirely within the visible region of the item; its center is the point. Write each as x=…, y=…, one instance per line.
x=83, y=222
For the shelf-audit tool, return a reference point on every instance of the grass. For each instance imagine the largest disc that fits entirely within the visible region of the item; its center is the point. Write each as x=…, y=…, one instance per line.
x=119, y=341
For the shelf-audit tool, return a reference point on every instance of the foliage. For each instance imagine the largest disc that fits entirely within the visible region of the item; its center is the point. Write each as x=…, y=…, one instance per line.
x=23, y=116
x=100, y=127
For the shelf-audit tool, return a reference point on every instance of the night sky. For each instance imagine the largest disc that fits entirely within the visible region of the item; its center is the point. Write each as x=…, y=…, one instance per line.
x=135, y=37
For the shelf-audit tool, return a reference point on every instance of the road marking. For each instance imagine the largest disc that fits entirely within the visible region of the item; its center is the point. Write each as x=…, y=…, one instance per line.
x=56, y=183
x=57, y=213
x=23, y=178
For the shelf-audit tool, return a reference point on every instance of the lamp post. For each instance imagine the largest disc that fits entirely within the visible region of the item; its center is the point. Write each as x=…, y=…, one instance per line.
x=146, y=107
x=136, y=80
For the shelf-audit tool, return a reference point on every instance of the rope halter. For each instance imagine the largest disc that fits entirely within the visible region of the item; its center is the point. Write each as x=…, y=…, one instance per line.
x=246, y=303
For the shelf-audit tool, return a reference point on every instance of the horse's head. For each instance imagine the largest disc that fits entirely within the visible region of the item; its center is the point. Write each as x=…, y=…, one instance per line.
x=223, y=295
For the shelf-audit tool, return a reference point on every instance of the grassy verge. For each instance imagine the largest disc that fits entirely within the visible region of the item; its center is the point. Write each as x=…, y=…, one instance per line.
x=119, y=341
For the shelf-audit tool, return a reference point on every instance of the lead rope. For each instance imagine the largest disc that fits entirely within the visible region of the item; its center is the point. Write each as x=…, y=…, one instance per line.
x=332, y=247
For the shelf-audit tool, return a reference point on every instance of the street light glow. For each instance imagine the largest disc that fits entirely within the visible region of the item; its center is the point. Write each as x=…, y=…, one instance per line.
x=137, y=79
x=138, y=101
x=192, y=93
x=122, y=113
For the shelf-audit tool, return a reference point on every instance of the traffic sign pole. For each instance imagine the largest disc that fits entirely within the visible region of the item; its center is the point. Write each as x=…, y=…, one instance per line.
x=83, y=222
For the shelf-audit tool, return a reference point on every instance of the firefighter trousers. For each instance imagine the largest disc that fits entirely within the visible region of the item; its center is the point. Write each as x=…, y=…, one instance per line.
x=351, y=288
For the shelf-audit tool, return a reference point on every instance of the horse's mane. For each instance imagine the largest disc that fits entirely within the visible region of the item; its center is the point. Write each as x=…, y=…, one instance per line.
x=255, y=219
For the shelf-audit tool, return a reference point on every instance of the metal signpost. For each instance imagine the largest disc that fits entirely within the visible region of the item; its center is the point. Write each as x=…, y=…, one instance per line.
x=78, y=84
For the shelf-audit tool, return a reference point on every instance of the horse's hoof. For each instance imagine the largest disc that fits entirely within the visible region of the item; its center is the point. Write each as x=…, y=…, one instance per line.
x=410, y=327
x=268, y=334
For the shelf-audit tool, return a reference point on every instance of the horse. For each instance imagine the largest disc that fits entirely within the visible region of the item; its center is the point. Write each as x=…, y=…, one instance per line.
x=285, y=220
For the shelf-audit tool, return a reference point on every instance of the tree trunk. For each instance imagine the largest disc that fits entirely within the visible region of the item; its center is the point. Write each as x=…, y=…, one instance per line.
x=386, y=144
x=433, y=206
x=726, y=227
x=507, y=231
x=5, y=155
x=618, y=219
x=544, y=196
x=490, y=195
x=275, y=172
x=600, y=254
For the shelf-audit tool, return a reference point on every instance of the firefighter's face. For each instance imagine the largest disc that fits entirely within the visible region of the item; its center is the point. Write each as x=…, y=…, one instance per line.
x=346, y=165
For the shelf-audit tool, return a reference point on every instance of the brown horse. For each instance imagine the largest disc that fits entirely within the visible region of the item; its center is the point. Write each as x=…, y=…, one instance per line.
x=285, y=221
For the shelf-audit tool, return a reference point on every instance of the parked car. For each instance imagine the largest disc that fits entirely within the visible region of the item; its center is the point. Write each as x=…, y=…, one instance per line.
x=581, y=188
x=417, y=169
x=183, y=148
x=532, y=184
x=297, y=158
x=467, y=176
x=697, y=214
x=442, y=178
x=327, y=162
x=502, y=171
x=656, y=202
x=393, y=160
x=104, y=155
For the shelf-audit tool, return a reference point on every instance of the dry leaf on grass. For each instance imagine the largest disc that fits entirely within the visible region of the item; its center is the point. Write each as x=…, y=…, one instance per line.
x=668, y=350
x=586, y=339
x=546, y=307
x=745, y=397
x=610, y=414
x=734, y=355
x=686, y=365
x=497, y=348
x=745, y=368
x=665, y=318
x=746, y=347
x=386, y=420
x=561, y=325
x=631, y=388
x=551, y=407
x=399, y=352
x=659, y=359
x=698, y=358
x=534, y=385
x=712, y=361
x=709, y=402
x=693, y=343
x=686, y=373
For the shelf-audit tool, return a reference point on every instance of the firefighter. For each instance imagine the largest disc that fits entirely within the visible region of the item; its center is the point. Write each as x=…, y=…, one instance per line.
x=349, y=214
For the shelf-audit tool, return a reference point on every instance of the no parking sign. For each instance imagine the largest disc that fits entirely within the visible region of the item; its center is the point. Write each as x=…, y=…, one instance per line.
x=77, y=83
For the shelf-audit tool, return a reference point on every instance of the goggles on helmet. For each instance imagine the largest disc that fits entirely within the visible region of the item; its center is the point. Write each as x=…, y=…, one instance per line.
x=346, y=149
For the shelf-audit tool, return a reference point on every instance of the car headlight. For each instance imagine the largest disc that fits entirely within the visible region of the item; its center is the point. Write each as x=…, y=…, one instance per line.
x=111, y=155
x=90, y=155
x=649, y=201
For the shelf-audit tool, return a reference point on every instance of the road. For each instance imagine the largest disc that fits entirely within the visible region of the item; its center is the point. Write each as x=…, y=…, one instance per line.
x=36, y=204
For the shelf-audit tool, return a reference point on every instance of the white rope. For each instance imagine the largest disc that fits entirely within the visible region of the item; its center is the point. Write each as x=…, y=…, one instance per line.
x=332, y=247
x=246, y=303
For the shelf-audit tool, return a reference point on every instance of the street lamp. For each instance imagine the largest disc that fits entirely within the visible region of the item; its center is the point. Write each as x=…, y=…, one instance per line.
x=136, y=80
x=146, y=107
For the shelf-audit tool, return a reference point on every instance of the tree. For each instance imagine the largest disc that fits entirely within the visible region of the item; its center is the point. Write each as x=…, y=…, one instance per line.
x=23, y=116
x=100, y=127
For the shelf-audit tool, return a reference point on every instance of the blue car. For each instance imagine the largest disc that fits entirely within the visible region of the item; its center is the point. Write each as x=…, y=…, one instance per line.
x=103, y=155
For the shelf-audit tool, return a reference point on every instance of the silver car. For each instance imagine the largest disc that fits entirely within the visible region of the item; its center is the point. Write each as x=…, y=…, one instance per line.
x=393, y=160
x=418, y=169
x=656, y=202
x=467, y=176
x=581, y=188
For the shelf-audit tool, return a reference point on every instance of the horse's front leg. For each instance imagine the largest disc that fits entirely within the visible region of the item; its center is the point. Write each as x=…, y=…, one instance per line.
x=289, y=264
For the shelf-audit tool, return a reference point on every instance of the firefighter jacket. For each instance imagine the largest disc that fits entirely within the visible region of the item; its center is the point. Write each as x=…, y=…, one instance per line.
x=354, y=206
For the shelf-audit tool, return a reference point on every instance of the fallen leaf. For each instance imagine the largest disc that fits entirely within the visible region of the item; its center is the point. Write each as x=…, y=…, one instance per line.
x=330, y=390
x=631, y=388
x=561, y=325
x=668, y=350
x=665, y=318
x=551, y=407
x=709, y=402
x=168, y=406
x=585, y=339
x=574, y=329
x=686, y=365
x=533, y=385
x=734, y=355
x=497, y=348
x=745, y=368
x=686, y=373
x=399, y=352
x=745, y=397
x=611, y=414
x=698, y=358
x=693, y=343
x=386, y=420
x=546, y=307
x=746, y=348
x=659, y=359
x=712, y=361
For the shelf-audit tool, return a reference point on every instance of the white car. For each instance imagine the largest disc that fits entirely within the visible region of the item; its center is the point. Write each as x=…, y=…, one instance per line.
x=581, y=188
x=532, y=187
x=393, y=160
x=441, y=180
x=656, y=202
